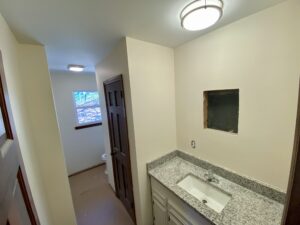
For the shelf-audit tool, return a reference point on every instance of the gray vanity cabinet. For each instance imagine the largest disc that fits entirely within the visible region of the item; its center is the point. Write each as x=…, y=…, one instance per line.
x=168, y=209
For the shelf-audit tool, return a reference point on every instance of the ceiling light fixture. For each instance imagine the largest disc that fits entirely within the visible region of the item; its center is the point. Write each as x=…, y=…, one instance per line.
x=201, y=14
x=76, y=68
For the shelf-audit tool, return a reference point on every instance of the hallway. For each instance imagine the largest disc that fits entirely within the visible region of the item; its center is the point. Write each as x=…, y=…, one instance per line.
x=94, y=200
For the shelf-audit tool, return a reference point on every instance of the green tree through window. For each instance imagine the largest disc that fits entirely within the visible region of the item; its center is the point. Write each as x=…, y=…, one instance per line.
x=87, y=106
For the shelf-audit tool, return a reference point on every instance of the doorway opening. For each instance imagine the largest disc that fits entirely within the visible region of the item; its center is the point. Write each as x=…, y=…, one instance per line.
x=78, y=108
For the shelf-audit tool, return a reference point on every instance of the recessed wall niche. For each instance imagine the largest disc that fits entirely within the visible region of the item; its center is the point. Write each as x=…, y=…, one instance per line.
x=221, y=110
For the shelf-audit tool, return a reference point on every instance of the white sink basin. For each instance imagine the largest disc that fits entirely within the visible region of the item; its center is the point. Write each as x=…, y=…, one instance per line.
x=211, y=196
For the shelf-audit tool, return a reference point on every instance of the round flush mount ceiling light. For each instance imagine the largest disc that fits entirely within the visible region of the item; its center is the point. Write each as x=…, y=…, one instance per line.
x=76, y=68
x=201, y=14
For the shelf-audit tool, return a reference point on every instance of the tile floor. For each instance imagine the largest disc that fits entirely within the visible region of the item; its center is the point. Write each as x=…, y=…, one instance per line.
x=94, y=200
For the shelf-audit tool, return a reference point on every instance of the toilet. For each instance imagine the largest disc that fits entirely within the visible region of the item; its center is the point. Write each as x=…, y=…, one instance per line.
x=104, y=159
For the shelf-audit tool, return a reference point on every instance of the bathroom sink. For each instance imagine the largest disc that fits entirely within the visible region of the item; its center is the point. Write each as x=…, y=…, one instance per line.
x=209, y=195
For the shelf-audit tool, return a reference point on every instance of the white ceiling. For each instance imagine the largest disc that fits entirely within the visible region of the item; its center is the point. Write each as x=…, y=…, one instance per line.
x=83, y=31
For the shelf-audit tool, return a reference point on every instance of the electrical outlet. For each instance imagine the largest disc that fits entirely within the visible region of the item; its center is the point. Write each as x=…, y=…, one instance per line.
x=193, y=144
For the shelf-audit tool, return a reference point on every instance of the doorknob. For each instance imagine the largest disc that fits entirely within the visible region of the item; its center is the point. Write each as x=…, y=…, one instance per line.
x=115, y=151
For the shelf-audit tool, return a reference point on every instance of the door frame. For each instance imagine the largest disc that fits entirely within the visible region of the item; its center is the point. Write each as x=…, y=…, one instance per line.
x=292, y=206
x=105, y=83
x=26, y=198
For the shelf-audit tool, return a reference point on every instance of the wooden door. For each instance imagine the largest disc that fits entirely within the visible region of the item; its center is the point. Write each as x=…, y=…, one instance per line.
x=117, y=121
x=16, y=205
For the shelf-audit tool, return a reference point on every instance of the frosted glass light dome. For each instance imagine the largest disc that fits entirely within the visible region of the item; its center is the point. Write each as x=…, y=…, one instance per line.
x=201, y=14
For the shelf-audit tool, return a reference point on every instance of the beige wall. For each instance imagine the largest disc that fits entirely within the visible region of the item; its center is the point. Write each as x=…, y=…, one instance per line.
x=9, y=48
x=151, y=73
x=148, y=73
x=260, y=55
x=32, y=107
x=42, y=117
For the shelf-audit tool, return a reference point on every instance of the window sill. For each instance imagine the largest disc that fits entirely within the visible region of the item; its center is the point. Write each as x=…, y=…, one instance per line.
x=88, y=126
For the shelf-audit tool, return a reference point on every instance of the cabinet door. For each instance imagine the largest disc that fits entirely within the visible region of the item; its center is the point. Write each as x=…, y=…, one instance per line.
x=175, y=217
x=160, y=214
x=174, y=221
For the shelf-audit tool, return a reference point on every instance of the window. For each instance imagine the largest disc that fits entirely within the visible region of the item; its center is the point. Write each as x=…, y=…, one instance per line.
x=221, y=110
x=87, y=106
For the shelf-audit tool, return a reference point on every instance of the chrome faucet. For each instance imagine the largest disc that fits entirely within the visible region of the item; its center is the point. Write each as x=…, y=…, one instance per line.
x=209, y=176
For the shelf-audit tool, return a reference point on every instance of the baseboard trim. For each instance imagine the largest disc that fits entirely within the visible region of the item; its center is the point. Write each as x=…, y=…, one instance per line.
x=87, y=169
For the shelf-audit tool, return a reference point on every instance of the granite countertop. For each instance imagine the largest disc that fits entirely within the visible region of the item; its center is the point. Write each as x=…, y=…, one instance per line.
x=246, y=206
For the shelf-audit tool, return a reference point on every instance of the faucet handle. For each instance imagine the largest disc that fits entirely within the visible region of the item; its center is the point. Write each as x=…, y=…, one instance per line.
x=209, y=175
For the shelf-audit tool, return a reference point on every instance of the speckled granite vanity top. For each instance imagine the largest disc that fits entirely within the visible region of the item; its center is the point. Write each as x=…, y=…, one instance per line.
x=252, y=203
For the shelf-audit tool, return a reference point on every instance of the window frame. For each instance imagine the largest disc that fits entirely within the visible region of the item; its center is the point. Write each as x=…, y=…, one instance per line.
x=220, y=92
x=85, y=125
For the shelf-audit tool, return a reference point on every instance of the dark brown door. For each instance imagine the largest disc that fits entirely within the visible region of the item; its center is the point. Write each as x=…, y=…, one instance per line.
x=116, y=113
x=16, y=205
